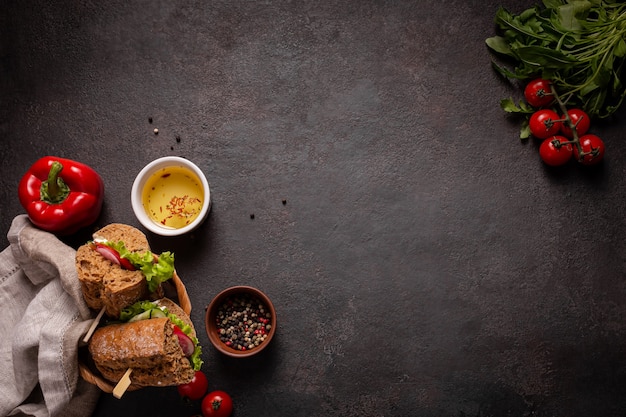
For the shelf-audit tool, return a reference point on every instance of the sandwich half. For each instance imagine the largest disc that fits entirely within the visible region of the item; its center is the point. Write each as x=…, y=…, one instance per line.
x=148, y=347
x=117, y=269
x=158, y=343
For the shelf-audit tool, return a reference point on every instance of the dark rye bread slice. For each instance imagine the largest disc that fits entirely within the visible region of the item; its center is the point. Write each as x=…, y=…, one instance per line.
x=149, y=347
x=106, y=284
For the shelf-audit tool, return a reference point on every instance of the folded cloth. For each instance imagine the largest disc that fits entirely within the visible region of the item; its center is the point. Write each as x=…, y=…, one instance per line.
x=43, y=320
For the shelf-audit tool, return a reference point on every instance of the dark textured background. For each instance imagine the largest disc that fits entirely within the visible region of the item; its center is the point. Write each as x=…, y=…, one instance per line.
x=426, y=262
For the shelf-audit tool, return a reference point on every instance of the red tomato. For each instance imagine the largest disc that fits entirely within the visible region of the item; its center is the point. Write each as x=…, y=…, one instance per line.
x=217, y=404
x=580, y=119
x=544, y=123
x=195, y=389
x=592, y=150
x=538, y=93
x=553, y=152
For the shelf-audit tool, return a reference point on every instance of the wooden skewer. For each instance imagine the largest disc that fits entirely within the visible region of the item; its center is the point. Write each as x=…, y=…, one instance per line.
x=122, y=385
x=93, y=326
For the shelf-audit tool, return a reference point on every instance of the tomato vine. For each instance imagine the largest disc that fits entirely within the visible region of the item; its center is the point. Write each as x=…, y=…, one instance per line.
x=580, y=45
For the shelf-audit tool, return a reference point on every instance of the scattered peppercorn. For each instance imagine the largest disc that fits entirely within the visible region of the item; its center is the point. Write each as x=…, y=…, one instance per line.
x=284, y=202
x=150, y=120
x=177, y=139
x=243, y=322
x=252, y=216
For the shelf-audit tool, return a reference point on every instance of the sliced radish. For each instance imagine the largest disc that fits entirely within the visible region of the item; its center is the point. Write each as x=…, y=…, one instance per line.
x=113, y=256
x=185, y=342
x=108, y=253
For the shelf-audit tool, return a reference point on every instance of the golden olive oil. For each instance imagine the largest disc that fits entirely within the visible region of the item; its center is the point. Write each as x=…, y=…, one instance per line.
x=173, y=197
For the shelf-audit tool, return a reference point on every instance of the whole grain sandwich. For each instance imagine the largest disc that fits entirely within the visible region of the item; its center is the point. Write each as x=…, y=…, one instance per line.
x=157, y=341
x=117, y=268
x=145, y=334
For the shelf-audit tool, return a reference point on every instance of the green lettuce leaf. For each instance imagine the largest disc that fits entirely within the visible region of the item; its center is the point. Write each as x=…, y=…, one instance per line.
x=155, y=272
x=136, y=309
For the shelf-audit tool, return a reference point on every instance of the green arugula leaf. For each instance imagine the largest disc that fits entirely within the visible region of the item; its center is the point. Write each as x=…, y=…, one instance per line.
x=580, y=45
x=568, y=15
x=543, y=57
x=524, y=130
x=552, y=4
x=509, y=106
x=620, y=49
x=500, y=45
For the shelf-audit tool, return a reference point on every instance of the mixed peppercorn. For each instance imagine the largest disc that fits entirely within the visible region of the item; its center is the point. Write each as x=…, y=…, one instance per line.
x=243, y=322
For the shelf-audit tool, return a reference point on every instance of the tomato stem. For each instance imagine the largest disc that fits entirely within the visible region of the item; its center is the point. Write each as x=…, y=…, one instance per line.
x=568, y=120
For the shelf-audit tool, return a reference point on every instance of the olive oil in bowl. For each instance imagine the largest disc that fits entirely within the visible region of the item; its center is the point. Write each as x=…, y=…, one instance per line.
x=173, y=197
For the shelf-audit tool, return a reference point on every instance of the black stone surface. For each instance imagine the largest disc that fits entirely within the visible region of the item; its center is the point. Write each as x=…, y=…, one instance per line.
x=426, y=263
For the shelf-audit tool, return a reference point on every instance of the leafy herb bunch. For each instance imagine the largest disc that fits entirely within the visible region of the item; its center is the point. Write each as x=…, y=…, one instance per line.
x=580, y=45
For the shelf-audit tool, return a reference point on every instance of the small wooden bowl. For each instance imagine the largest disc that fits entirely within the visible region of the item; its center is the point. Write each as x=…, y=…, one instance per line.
x=87, y=369
x=213, y=330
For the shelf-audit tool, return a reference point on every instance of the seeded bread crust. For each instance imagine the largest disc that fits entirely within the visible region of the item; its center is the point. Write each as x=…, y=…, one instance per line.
x=106, y=284
x=175, y=309
x=148, y=347
x=133, y=238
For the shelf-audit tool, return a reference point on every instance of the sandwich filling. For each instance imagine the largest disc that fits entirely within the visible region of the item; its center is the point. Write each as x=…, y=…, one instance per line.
x=155, y=269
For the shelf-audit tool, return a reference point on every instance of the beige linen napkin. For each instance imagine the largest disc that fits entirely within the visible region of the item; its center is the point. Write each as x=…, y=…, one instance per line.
x=43, y=317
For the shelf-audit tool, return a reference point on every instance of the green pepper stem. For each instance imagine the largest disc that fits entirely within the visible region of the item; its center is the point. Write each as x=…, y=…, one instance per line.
x=54, y=190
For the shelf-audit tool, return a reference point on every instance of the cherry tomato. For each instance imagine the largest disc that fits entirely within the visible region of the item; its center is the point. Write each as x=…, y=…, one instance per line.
x=195, y=389
x=217, y=404
x=538, y=93
x=553, y=152
x=592, y=150
x=544, y=123
x=580, y=119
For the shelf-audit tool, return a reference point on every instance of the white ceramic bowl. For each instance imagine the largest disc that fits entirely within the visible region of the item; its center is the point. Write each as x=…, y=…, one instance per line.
x=144, y=178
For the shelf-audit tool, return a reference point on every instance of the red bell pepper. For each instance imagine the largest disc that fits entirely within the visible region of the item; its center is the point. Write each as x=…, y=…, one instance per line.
x=60, y=195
